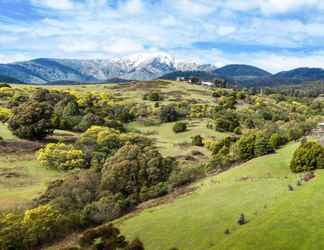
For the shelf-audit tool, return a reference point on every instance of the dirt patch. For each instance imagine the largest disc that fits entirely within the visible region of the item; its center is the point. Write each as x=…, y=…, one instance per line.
x=21, y=146
x=9, y=175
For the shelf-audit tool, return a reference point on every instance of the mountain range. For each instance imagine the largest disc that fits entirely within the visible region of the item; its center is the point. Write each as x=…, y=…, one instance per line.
x=145, y=67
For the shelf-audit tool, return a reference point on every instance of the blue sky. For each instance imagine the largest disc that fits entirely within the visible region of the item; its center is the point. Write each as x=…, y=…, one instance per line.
x=272, y=34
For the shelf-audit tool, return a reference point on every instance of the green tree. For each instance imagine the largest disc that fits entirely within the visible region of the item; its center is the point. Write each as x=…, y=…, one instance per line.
x=308, y=156
x=31, y=120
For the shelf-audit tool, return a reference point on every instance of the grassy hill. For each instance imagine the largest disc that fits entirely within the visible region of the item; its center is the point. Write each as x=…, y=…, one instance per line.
x=277, y=218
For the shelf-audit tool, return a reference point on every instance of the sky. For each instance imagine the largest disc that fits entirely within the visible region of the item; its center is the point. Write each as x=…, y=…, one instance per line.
x=275, y=35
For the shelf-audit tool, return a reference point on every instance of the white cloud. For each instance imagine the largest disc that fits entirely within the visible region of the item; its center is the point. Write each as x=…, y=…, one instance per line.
x=54, y=4
x=133, y=6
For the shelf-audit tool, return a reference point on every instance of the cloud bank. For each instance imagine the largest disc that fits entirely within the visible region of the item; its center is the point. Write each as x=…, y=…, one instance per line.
x=273, y=34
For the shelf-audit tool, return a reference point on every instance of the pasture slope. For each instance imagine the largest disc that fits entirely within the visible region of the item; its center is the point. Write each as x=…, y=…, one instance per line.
x=277, y=218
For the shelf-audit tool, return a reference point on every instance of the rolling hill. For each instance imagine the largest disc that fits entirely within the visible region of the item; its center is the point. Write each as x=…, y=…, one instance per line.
x=277, y=218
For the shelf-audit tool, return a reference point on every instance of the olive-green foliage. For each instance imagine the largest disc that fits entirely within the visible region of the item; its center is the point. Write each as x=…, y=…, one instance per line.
x=245, y=146
x=100, y=142
x=262, y=146
x=197, y=140
x=153, y=96
x=179, y=127
x=276, y=140
x=169, y=114
x=73, y=193
x=67, y=114
x=136, y=171
x=309, y=156
x=226, y=121
x=89, y=120
x=107, y=237
x=61, y=156
x=31, y=229
x=106, y=208
x=31, y=120
x=4, y=114
x=183, y=176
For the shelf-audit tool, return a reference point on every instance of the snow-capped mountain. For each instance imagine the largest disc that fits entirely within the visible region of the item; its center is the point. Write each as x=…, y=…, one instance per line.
x=137, y=67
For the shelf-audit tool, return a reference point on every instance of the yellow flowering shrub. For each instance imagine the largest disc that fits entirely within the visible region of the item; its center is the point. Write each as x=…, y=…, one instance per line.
x=61, y=156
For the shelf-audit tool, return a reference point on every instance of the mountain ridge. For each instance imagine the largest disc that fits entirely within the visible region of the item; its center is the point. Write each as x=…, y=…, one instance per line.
x=148, y=67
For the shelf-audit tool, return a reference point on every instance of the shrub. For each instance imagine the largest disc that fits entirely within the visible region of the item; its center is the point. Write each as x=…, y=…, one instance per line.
x=183, y=176
x=31, y=120
x=89, y=120
x=103, y=237
x=179, y=127
x=241, y=220
x=226, y=121
x=62, y=157
x=308, y=156
x=4, y=114
x=153, y=96
x=245, y=146
x=168, y=114
x=135, y=245
x=41, y=223
x=197, y=140
x=105, y=209
x=262, y=146
x=277, y=140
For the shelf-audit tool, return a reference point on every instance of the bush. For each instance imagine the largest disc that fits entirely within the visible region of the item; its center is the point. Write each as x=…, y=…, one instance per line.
x=277, y=140
x=179, y=127
x=61, y=157
x=308, y=156
x=183, y=176
x=169, y=114
x=153, y=96
x=262, y=146
x=197, y=140
x=105, y=209
x=245, y=146
x=103, y=237
x=4, y=114
x=41, y=223
x=31, y=120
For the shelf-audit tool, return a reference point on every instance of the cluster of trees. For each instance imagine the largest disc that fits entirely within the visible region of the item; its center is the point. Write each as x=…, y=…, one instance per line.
x=45, y=111
x=308, y=157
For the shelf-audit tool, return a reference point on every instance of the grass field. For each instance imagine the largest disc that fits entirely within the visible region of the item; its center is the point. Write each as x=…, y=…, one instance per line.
x=173, y=144
x=277, y=218
x=21, y=176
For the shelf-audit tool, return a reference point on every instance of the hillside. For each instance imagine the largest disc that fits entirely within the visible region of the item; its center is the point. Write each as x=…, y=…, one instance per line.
x=258, y=189
x=79, y=157
x=241, y=72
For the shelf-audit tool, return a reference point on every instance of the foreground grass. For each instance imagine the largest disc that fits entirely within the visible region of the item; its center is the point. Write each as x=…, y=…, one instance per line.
x=21, y=176
x=278, y=219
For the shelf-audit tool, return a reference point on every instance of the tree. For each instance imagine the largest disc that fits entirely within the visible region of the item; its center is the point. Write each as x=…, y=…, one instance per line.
x=136, y=171
x=168, y=114
x=31, y=120
x=308, y=156
x=62, y=157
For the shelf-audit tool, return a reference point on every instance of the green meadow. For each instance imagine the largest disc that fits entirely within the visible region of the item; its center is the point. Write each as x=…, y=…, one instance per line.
x=277, y=218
